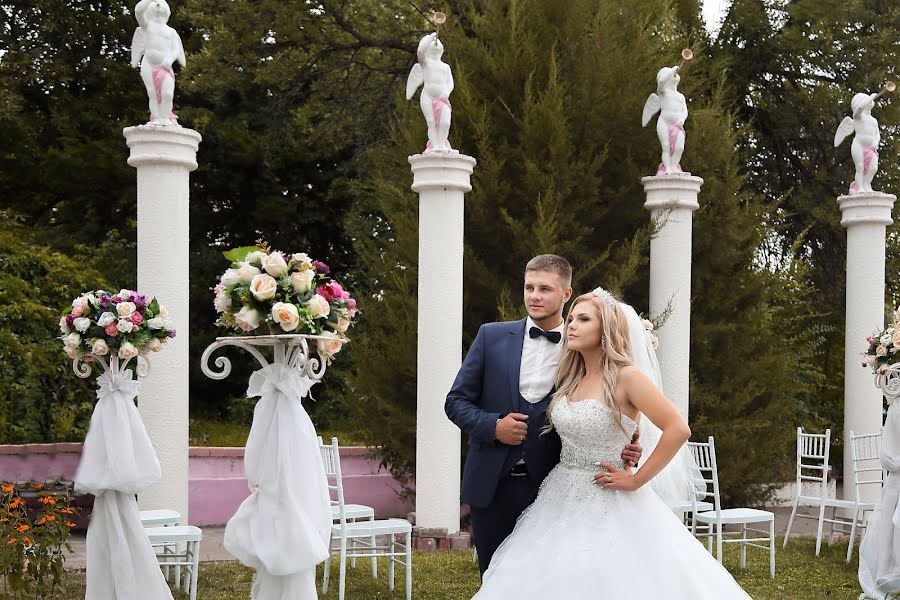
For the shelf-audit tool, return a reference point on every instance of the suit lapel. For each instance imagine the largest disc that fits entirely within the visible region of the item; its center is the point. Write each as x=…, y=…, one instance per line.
x=515, y=338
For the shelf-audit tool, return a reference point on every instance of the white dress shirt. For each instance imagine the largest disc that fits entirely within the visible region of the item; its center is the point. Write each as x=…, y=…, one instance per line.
x=540, y=357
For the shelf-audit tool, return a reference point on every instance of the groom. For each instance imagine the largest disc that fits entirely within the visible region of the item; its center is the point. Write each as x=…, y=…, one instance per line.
x=500, y=398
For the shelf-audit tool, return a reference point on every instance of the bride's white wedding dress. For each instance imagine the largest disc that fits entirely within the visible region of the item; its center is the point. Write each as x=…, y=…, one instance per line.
x=579, y=541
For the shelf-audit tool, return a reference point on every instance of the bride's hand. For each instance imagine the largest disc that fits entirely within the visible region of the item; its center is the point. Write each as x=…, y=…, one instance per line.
x=616, y=479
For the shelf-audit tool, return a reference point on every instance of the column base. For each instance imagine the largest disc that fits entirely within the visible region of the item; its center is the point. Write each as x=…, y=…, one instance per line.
x=437, y=539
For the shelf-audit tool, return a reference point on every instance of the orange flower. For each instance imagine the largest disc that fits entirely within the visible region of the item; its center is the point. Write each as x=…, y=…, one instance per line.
x=4, y=520
x=67, y=511
x=23, y=528
x=51, y=517
x=8, y=488
x=70, y=524
x=28, y=541
x=11, y=541
x=47, y=500
x=17, y=503
x=37, y=486
x=42, y=521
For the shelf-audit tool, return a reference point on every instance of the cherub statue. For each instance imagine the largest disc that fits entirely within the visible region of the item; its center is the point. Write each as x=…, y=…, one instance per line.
x=864, y=149
x=435, y=98
x=673, y=112
x=156, y=46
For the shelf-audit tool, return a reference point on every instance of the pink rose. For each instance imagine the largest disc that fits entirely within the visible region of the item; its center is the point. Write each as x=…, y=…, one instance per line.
x=111, y=329
x=135, y=318
x=330, y=291
x=77, y=310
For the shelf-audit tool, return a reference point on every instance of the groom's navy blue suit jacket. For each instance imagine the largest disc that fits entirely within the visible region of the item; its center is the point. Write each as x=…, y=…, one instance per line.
x=486, y=389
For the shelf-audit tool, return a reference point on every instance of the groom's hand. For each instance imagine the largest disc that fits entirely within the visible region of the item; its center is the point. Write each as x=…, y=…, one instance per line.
x=511, y=429
x=631, y=455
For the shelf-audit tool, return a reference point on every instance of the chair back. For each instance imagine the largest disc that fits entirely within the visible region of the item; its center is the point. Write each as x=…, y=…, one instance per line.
x=865, y=454
x=813, y=451
x=706, y=473
x=331, y=460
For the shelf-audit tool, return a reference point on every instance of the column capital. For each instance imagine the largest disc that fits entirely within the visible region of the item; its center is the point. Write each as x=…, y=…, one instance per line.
x=441, y=170
x=162, y=145
x=671, y=191
x=866, y=208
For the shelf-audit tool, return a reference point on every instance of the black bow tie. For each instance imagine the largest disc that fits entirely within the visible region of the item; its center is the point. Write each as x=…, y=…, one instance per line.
x=552, y=336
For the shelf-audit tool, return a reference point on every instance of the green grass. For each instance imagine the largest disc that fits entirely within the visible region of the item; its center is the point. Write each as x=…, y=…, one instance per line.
x=209, y=432
x=453, y=576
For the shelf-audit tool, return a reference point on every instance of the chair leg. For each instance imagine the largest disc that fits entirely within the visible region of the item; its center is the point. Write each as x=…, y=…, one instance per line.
x=852, y=535
x=743, y=546
x=819, y=529
x=831, y=525
x=327, y=569
x=374, y=558
x=352, y=544
x=392, y=547
x=195, y=574
x=177, y=569
x=409, y=566
x=772, y=548
x=719, y=542
x=342, y=583
x=787, y=533
x=709, y=538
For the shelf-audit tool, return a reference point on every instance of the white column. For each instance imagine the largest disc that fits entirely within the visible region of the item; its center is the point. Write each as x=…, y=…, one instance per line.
x=866, y=215
x=164, y=157
x=672, y=199
x=441, y=179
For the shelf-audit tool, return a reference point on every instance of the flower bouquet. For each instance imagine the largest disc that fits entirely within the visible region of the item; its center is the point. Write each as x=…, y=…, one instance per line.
x=291, y=294
x=884, y=347
x=121, y=324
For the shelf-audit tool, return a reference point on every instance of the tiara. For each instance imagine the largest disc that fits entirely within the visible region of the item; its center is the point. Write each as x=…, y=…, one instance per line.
x=605, y=296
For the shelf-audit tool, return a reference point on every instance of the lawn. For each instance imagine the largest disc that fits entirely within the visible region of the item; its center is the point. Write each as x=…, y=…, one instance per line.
x=453, y=576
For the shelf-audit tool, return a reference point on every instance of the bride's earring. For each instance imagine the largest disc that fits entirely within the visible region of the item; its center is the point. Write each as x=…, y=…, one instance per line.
x=603, y=342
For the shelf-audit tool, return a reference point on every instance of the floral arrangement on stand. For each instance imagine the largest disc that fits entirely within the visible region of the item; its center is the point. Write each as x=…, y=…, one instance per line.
x=269, y=292
x=122, y=324
x=884, y=347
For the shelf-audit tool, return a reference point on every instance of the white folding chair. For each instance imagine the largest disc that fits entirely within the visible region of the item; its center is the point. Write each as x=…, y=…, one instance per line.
x=696, y=504
x=704, y=454
x=813, y=451
x=162, y=518
x=186, y=537
x=865, y=455
x=354, y=512
x=366, y=531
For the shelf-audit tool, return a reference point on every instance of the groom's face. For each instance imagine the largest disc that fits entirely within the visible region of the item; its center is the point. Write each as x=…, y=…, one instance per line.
x=545, y=294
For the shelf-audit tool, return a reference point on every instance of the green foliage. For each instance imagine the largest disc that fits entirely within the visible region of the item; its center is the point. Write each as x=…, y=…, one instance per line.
x=41, y=399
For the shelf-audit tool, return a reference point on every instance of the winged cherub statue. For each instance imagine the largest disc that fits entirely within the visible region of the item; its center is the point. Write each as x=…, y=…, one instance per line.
x=437, y=81
x=866, y=138
x=673, y=112
x=155, y=47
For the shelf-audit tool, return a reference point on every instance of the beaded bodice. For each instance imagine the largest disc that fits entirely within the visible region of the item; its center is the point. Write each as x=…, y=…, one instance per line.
x=590, y=434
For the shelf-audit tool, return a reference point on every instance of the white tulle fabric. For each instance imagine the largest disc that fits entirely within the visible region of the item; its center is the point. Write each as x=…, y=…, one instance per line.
x=283, y=528
x=117, y=462
x=879, y=552
x=678, y=480
x=578, y=541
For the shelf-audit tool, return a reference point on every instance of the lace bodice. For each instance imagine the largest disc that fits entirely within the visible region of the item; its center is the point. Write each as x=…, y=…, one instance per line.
x=590, y=434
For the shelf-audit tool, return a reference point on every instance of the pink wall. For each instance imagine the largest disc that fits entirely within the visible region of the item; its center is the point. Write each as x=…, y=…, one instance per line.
x=216, y=480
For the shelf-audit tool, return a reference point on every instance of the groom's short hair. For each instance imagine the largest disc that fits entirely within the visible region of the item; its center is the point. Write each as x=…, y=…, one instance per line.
x=554, y=264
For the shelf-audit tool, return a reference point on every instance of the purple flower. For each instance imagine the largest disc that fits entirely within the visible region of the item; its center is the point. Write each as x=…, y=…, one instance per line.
x=321, y=267
x=70, y=318
x=170, y=333
x=104, y=301
x=116, y=299
x=140, y=301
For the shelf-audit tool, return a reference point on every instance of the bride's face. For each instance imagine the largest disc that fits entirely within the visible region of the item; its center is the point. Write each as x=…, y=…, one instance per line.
x=584, y=328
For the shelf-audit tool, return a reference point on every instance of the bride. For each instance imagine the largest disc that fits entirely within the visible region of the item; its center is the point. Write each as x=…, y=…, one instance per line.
x=574, y=540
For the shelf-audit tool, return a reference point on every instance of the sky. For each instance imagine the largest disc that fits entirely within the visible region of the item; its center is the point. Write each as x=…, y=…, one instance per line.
x=713, y=11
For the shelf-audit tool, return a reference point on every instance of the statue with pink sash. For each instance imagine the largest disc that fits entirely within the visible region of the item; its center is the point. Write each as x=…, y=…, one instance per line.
x=866, y=138
x=672, y=109
x=436, y=80
x=155, y=47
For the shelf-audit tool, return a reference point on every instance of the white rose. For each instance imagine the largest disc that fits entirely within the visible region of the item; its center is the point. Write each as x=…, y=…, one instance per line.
x=871, y=360
x=302, y=261
x=127, y=350
x=230, y=277
x=163, y=311
x=72, y=340
x=256, y=258
x=263, y=287
x=318, y=306
x=302, y=281
x=331, y=346
x=105, y=319
x=63, y=326
x=246, y=272
x=81, y=324
x=648, y=324
x=123, y=293
x=222, y=303
x=154, y=345
x=880, y=351
x=274, y=264
x=342, y=324
x=156, y=323
x=82, y=301
x=125, y=308
x=247, y=318
x=885, y=339
x=73, y=352
x=286, y=315
x=100, y=348
x=124, y=326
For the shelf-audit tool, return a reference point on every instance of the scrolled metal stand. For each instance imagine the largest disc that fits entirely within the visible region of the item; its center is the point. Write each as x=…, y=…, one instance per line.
x=292, y=349
x=111, y=364
x=889, y=382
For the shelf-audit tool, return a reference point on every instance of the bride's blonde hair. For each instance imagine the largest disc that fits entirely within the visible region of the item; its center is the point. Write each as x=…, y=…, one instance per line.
x=616, y=354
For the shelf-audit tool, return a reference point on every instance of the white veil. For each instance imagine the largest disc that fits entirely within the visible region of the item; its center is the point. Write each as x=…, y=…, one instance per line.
x=679, y=479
